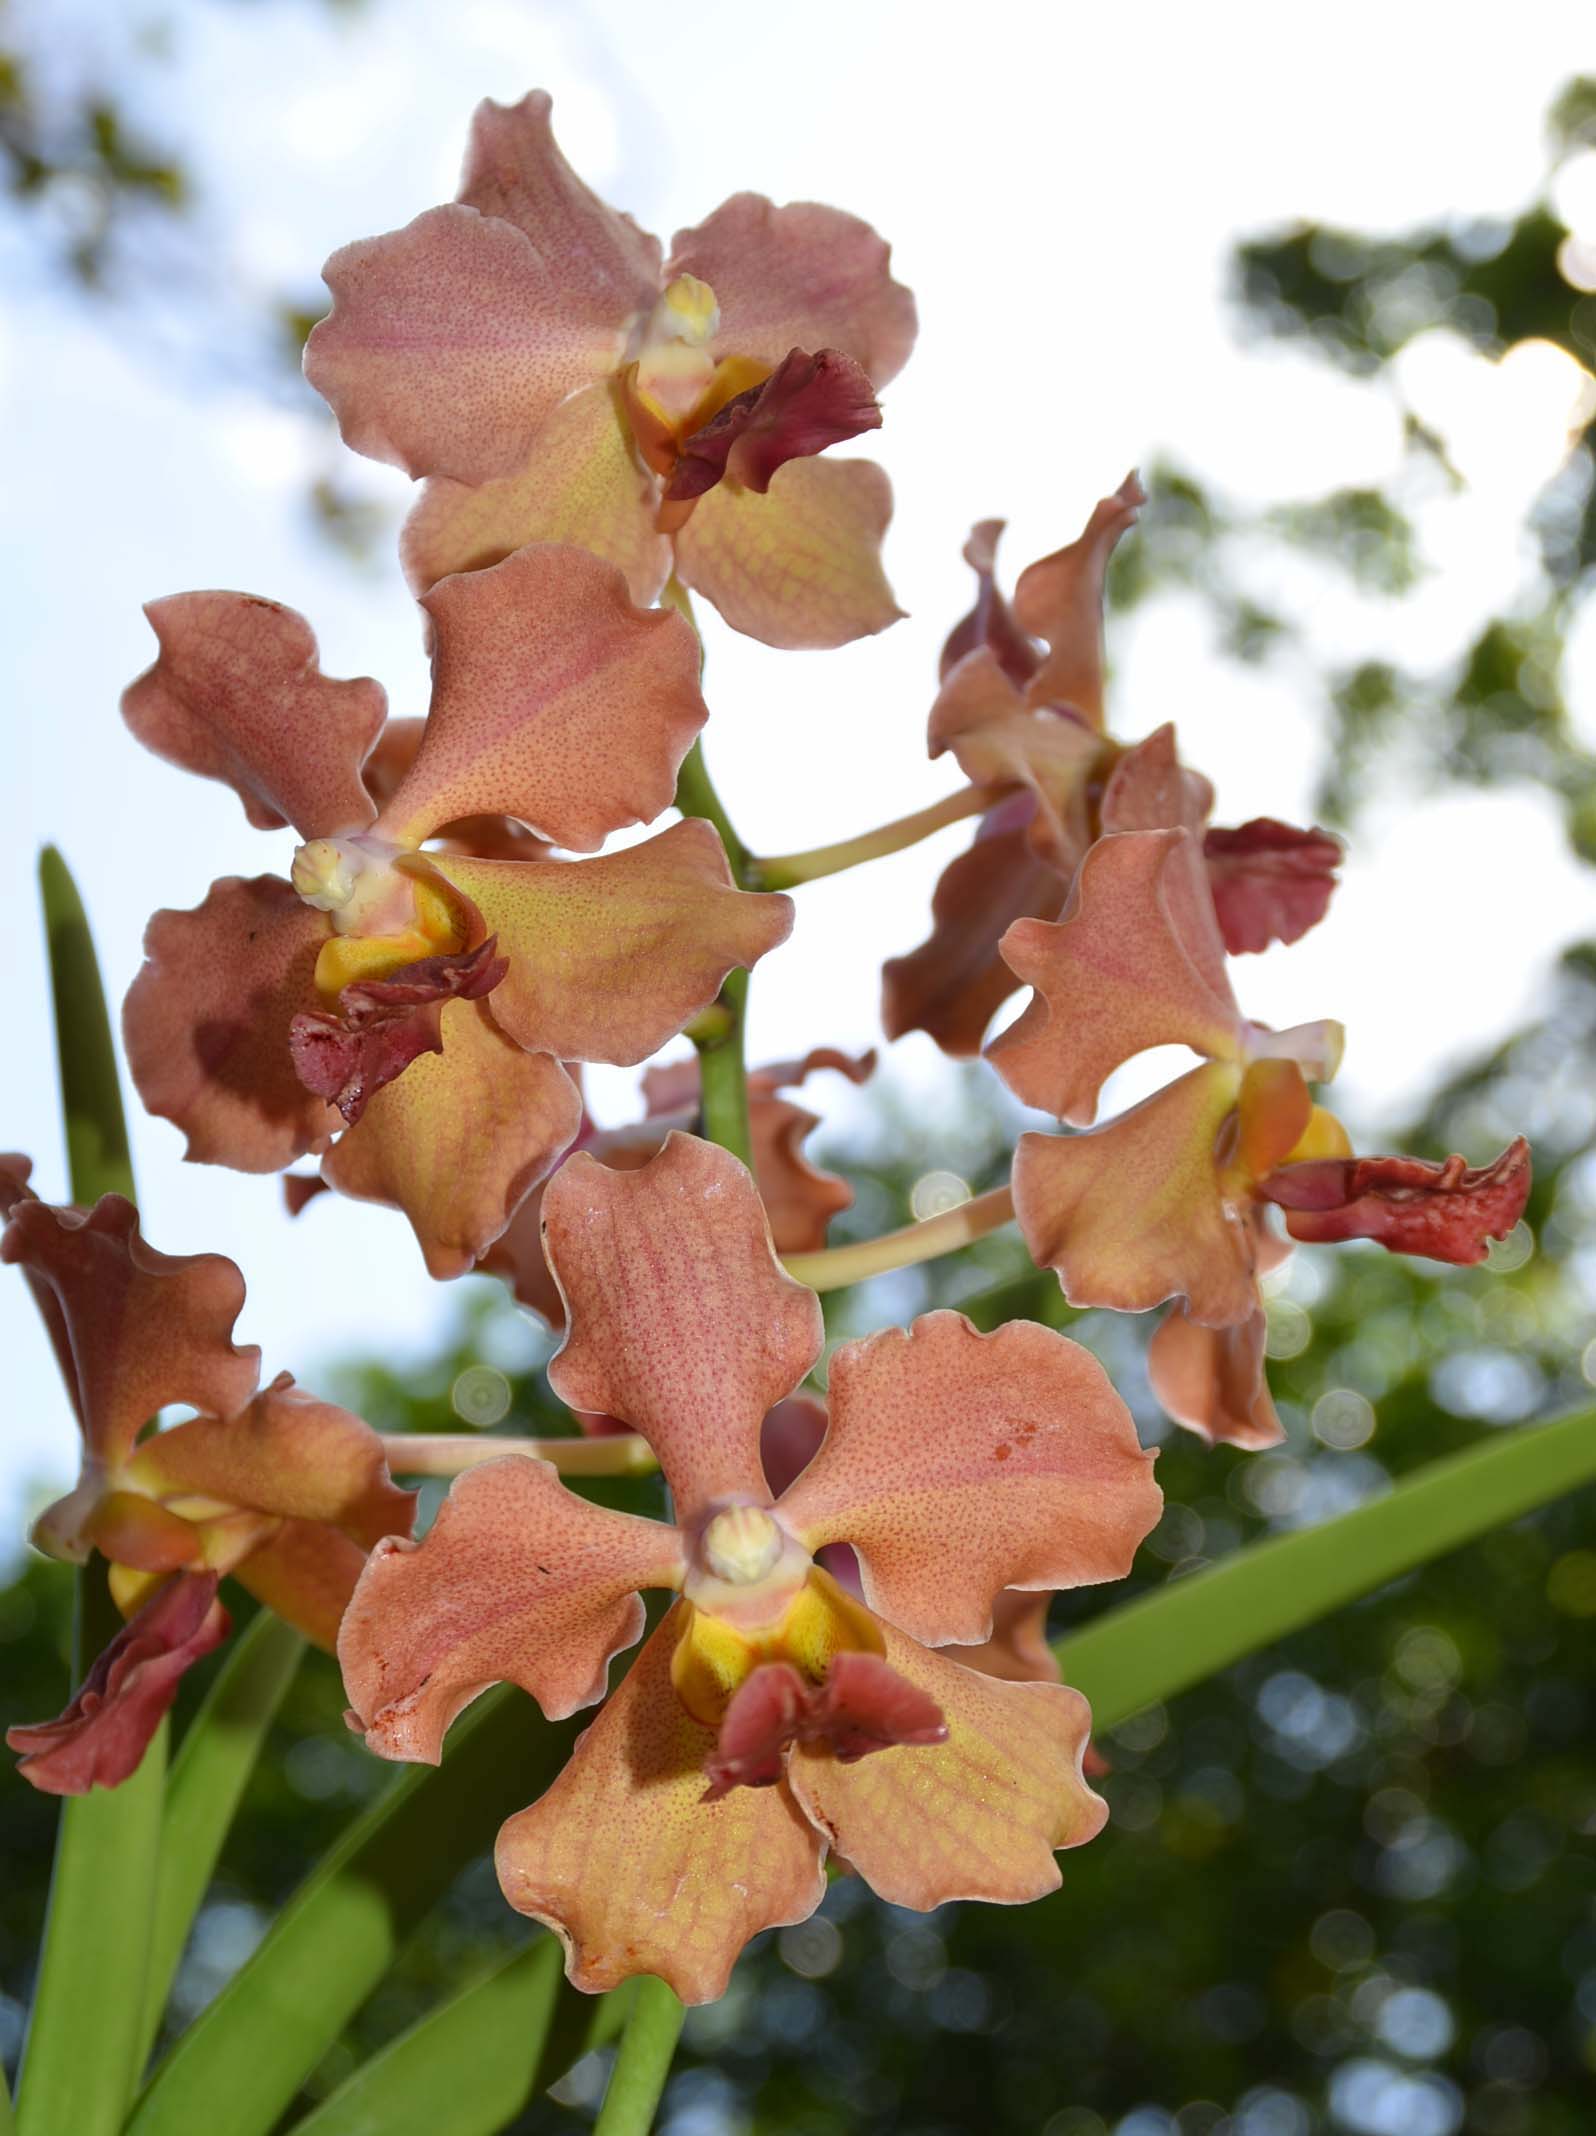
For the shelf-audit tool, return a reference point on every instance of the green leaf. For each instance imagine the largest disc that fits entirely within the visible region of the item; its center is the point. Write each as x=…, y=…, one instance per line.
x=644, y=2061
x=240, y=2064
x=91, y=1098
x=516, y=2030
x=212, y=1766
x=1147, y=1651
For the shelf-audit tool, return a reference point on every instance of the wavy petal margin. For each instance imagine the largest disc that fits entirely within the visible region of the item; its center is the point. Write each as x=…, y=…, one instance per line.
x=1212, y=1380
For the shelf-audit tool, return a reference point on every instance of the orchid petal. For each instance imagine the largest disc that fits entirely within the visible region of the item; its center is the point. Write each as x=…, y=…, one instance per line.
x=801, y=566
x=101, y=1737
x=305, y=1573
x=1212, y=1380
x=493, y=837
x=800, y=275
x=976, y=1817
x=459, y=1138
x=287, y=1453
x=633, y=1870
x=207, y=1019
x=237, y=695
x=1131, y=1213
x=806, y=404
x=382, y=1025
x=600, y=262
x=990, y=622
x=958, y=1464
x=1135, y=961
x=1018, y=1650
x=1445, y=1212
x=980, y=716
x=800, y=1200
x=1271, y=882
x=610, y=957
x=956, y=981
x=518, y=1581
x=1060, y=599
x=1150, y=790
x=554, y=700
x=790, y=1439
x=134, y=1329
x=581, y=483
x=682, y=1323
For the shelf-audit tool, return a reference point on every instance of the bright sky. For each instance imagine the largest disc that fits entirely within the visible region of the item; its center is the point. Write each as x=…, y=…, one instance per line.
x=1062, y=186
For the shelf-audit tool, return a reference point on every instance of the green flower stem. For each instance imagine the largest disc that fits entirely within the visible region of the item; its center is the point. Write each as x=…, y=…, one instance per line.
x=696, y=796
x=82, y=2057
x=644, y=2061
x=237, y=2069
x=723, y=1075
x=785, y=871
x=471, y=2065
x=208, y=1777
x=449, y=1453
x=1148, y=1650
x=839, y=1265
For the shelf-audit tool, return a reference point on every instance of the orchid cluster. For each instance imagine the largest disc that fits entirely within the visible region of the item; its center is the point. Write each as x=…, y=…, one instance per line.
x=853, y=1660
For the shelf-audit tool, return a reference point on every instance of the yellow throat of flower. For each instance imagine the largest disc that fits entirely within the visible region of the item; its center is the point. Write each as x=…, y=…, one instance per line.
x=386, y=910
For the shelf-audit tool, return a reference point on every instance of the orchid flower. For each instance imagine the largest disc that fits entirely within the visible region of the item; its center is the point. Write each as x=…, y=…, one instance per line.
x=799, y=1200
x=1022, y=704
x=525, y=350
x=1169, y=1200
x=416, y=1000
x=771, y=1715
x=267, y=1485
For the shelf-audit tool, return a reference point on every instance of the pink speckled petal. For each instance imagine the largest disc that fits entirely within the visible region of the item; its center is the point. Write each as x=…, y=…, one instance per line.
x=288, y=1453
x=518, y=1581
x=802, y=275
x=633, y=1870
x=1134, y=961
x=681, y=1322
x=133, y=1329
x=598, y=259
x=610, y=957
x=554, y=699
x=1271, y=881
x=237, y=694
x=1131, y=1213
x=977, y=1817
x=581, y=483
x=1150, y=790
x=1060, y=599
x=958, y=1464
x=801, y=566
x=460, y=1137
x=1017, y=1651
x=998, y=740
x=207, y=1019
x=1212, y=1379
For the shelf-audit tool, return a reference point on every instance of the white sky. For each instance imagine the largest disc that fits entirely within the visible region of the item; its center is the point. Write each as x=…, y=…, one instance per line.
x=1062, y=186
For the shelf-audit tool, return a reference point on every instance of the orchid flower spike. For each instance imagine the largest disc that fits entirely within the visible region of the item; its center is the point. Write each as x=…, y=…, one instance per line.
x=525, y=350
x=266, y=1485
x=1023, y=703
x=413, y=989
x=1169, y=1200
x=772, y=1715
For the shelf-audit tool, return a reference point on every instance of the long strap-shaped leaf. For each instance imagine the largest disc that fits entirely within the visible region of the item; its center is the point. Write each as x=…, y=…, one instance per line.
x=82, y=2056
x=240, y=2063
x=472, y=2064
x=1148, y=1650
x=209, y=1773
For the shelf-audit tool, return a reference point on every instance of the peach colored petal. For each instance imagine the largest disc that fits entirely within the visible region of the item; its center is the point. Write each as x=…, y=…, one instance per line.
x=492, y=837
x=1131, y=1213
x=304, y=1572
x=633, y=1870
x=206, y=1024
x=801, y=566
x=580, y=483
x=976, y=1817
x=287, y=1453
x=1134, y=961
x=517, y=1581
x=989, y=622
x=1150, y=790
x=998, y=740
x=459, y=1138
x=800, y=275
x=237, y=694
x=598, y=259
x=451, y=340
x=956, y=981
x=1060, y=599
x=610, y=957
x=1212, y=1380
x=800, y=1200
x=682, y=1323
x=958, y=1464
x=554, y=699
x=134, y=1329
x=1017, y=1651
